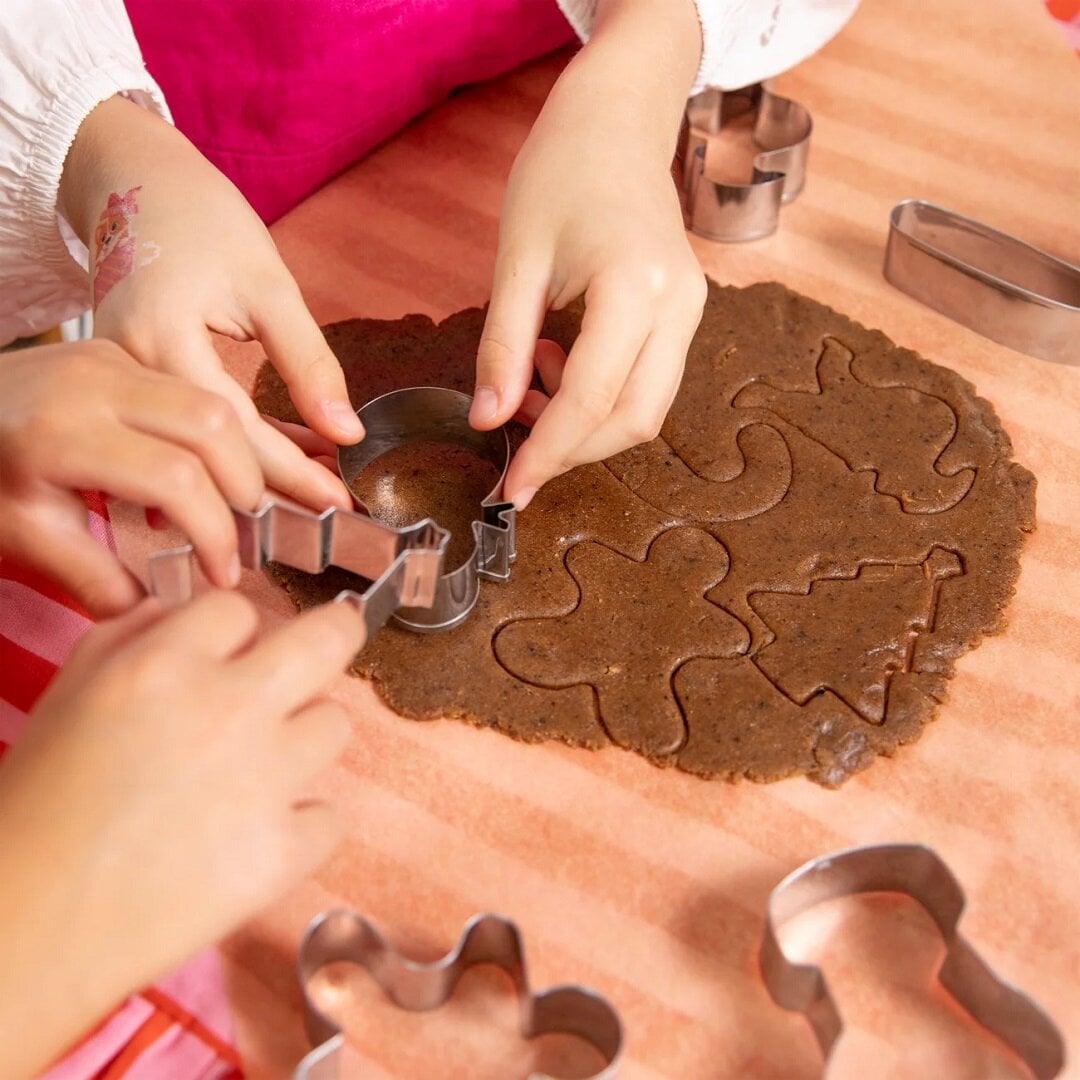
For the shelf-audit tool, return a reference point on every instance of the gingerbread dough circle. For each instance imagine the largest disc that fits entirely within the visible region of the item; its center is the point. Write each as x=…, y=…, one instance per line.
x=779, y=584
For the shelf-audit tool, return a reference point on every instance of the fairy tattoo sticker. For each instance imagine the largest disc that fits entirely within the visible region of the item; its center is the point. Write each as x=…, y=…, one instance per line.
x=117, y=251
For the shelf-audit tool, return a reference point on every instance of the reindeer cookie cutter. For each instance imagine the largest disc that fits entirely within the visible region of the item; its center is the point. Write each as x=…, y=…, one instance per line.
x=404, y=565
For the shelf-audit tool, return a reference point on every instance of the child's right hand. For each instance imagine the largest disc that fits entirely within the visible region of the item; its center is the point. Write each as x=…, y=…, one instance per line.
x=88, y=416
x=157, y=798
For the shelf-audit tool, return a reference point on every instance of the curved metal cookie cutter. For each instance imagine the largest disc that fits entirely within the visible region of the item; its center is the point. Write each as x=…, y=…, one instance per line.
x=918, y=872
x=987, y=280
x=432, y=414
x=405, y=565
x=781, y=129
x=342, y=935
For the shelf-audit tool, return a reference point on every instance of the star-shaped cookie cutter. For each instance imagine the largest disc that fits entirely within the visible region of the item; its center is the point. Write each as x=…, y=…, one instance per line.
x=781, y=129
x=404, y=565
x=920, y=873
x=342, y=935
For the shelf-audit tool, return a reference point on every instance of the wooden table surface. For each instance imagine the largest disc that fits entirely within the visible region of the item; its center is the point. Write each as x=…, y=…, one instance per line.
x=650, y=885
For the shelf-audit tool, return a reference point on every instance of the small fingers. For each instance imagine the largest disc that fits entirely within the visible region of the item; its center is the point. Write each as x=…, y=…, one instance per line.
x=648, y=393
x=290, y=471
x=504, y=360
x=312, y=443
x=311, y=740
x=296, y=662
x=296, y=347
x=204, y=423
x=52, y=536
x=153, y=472
x=286, y=468
x=612, y=334
x=550, y=360
x=218, y=624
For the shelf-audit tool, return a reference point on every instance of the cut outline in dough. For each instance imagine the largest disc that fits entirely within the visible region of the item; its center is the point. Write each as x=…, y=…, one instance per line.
x=827, y=375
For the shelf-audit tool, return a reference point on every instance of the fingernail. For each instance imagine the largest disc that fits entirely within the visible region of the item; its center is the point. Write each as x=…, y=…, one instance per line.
x=355, y=601
x=234, y=571
x=340, y=495
x=344, y=418
x=523, y=498
x=485, y=406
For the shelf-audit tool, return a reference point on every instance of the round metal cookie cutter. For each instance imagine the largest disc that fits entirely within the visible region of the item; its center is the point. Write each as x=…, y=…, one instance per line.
x=435, y=414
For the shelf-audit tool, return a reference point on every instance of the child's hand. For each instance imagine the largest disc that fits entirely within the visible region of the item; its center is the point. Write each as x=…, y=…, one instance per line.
x=87, y=416
x=176, y=253
x=591, y=209
x=159, y=796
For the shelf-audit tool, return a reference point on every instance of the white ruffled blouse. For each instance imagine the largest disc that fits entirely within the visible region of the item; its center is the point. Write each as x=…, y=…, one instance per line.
x=61, y=58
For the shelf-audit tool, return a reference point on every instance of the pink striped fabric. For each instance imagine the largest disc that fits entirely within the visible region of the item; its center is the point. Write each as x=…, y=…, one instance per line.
x=181, y=1028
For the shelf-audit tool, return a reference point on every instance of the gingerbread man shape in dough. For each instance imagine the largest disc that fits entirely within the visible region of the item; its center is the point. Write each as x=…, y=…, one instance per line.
x=636, y=624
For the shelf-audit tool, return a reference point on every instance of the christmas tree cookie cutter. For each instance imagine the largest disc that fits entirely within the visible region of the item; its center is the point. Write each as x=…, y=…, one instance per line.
x=404, y=565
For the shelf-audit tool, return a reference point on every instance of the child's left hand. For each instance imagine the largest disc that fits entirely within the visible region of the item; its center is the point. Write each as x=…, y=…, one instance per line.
x=177, y=254
x=591, y=209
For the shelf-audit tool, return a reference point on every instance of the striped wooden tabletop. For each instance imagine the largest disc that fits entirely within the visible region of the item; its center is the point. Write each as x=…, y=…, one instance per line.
x=649, y=885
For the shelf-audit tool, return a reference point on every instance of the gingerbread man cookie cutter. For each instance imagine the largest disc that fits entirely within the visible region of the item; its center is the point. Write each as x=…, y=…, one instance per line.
x=920, y=873
x=345, y=936
x=781, y=130
x=404, y=565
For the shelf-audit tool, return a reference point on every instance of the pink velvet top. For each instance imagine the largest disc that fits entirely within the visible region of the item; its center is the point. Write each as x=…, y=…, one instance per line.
x=283, y=94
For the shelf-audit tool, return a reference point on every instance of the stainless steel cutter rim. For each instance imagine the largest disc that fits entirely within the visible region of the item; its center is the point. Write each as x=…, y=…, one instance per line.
x=342, y=935
x=995, y=284
x=897, y=222
x=734, y=212
x=435, y=413
x=919, y=872
x=401, y=565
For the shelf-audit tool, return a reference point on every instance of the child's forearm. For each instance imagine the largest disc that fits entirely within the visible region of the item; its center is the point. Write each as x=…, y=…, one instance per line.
x=637, y=69
x=119, y=146
x=56, y=980
x=591, y=210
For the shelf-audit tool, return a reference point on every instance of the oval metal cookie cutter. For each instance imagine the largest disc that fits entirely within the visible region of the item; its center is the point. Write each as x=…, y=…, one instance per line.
x=918, y=872
x=987, y=280
x=433, y=414
x=337, y=936
x=736, y=212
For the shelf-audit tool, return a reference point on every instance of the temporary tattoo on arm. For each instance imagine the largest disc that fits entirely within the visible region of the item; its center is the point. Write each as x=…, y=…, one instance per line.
x=116, y=243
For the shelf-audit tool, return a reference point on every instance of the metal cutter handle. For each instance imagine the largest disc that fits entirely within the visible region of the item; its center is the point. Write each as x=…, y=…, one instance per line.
x=404, y=565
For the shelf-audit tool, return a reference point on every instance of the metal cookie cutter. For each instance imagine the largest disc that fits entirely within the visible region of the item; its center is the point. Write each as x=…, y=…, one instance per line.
x=987, y=280
x=405, y=565
x=919, y=873
x=733, y=212
x=342, y=935
x=428, y=413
